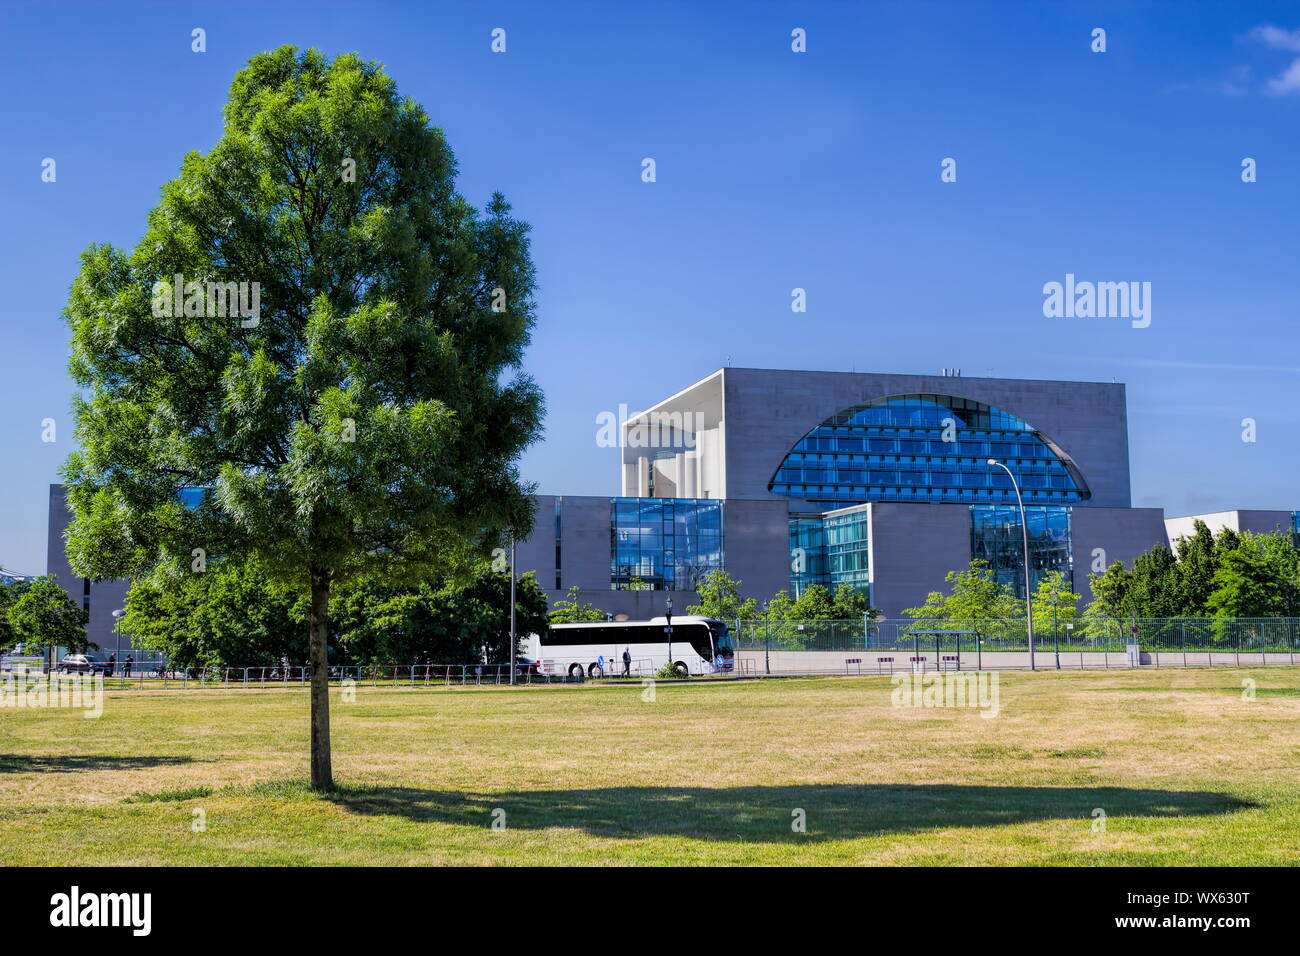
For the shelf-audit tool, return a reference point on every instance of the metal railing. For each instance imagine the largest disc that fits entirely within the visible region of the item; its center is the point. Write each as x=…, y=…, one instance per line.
x=266, y=677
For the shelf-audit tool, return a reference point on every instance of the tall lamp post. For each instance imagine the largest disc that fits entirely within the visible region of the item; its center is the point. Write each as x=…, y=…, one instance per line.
x=117, y=629
x=1024, y=538
x=1056, y=633
x=767, y=638
x=669, y=629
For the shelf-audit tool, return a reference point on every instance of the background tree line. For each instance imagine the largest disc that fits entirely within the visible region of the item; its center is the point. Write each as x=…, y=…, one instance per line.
x=39, y=614
x=233, y=614
x=1231, y=574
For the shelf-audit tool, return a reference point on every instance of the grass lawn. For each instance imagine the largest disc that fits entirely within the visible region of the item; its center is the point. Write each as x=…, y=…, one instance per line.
x=1185, y=769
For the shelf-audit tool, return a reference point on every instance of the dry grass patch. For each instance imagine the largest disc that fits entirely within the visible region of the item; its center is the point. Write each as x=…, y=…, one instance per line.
x=1185, y=770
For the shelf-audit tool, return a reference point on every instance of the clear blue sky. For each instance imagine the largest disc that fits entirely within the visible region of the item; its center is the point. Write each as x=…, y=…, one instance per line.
x=775, y=170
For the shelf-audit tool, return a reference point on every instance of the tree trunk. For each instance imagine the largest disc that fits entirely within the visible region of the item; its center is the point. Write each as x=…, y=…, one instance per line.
x=322, y=773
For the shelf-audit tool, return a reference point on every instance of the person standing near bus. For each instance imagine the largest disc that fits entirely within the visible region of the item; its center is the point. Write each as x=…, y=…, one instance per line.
x=627, y=662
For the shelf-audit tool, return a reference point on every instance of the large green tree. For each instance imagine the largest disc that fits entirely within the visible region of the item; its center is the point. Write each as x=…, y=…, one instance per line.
x=363, y=413
x=47, y=616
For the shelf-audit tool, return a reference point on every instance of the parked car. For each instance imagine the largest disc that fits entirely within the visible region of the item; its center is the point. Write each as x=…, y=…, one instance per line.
x=82, y=664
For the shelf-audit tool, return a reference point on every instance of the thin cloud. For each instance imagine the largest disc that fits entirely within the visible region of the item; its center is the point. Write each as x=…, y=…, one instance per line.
x=1288, y=81
x=1276, y=38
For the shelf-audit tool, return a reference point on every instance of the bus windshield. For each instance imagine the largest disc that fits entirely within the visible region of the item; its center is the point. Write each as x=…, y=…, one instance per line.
x=721, y=638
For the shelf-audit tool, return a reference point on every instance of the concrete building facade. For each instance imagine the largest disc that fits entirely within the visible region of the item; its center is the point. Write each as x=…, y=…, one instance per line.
x=790, y=478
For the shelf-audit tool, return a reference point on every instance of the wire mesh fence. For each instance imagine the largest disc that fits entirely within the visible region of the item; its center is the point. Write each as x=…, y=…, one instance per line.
x=1212, y=635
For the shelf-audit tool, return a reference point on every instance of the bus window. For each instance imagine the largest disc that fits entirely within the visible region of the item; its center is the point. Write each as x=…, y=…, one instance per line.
x=721, y=638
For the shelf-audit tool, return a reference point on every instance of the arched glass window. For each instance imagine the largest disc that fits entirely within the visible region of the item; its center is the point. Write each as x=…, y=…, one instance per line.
x=926, y=448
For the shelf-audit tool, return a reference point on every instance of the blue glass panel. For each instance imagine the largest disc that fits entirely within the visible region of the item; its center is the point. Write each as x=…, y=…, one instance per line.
x=943, y=444
x=996, y=537
x=664, y=543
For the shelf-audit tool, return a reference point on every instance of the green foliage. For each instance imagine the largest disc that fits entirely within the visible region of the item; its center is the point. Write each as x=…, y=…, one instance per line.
x=368, y=418
x=976, y=596
x=1257, y=578
x=569, y=610
x=670, y=672
x=376, y=315
x=1054, y=604
x=1198, y=560
x=46, y=616
x=1154, y=584
x=720, y=598
x=1110, y=591
x=815, y=603
x=456, y=621
x=231, y=614
x=851, y=603
x=10, y=592
x=1231, y=574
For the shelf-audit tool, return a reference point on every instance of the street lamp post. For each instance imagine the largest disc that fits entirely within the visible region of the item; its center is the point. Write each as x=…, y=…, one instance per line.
x=117, y=630
x=1024, y=532
x=1056, y=634
x=767, y=639
x=669, y=629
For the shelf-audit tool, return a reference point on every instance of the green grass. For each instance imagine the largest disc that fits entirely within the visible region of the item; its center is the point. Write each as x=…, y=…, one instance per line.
x=1186, y=770
x=169, y=796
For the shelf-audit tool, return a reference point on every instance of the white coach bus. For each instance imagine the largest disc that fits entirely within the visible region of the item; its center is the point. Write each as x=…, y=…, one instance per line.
x=700, y=645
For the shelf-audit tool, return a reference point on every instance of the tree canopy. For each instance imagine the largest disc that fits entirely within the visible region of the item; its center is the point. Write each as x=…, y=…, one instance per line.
x=1229, y=574
x=46, y=615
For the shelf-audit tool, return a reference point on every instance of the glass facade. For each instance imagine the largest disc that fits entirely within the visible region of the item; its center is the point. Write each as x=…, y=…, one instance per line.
x=925, y=448
x=830, y=550
x=807, y=553
x=996, y=538
x=847, y=557
x=664, y=544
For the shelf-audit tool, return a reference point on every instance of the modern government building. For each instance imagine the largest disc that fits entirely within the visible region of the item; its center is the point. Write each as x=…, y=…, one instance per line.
x=792, y=478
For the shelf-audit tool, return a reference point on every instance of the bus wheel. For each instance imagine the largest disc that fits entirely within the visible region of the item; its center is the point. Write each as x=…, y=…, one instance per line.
x=595, y=672
x=575, y=672
x=682, y=670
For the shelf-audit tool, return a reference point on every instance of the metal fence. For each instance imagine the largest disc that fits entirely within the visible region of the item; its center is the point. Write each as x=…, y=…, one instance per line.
x=1203, y=635
x=373, y=675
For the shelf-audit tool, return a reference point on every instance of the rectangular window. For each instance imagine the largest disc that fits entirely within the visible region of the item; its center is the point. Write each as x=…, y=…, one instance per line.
x=661, y=544
x=996, y=538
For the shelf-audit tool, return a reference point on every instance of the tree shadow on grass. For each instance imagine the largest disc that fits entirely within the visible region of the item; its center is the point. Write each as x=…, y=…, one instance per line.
x=26, y=763
x=765, y=814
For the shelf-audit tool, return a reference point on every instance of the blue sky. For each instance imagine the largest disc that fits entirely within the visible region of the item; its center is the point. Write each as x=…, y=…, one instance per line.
x=775, y=170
